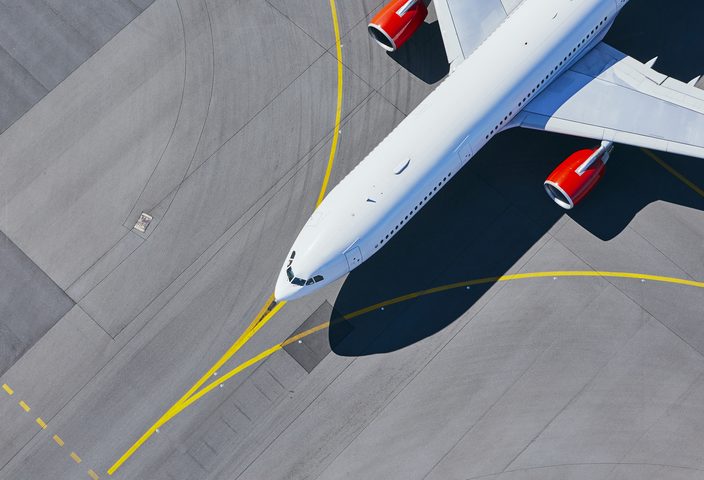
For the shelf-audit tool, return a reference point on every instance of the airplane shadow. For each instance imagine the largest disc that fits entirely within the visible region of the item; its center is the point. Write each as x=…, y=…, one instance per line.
x=423, y=55
x=494, y=212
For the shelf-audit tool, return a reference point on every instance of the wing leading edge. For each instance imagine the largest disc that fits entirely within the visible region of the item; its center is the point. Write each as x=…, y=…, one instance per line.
x=610, y=96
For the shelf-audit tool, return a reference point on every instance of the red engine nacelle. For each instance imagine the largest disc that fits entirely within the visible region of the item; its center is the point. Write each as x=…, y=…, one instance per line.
x=396, y=22
x=570, y=182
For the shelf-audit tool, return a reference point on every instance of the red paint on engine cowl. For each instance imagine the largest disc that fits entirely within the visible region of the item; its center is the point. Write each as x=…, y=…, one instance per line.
x=573, y=185
x=397, y=29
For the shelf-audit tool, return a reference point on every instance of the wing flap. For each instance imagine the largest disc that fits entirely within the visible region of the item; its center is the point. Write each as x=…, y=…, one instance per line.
x=610, y=96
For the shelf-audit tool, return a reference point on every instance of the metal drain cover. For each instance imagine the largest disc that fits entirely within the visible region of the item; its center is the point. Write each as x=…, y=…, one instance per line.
x=143, y=222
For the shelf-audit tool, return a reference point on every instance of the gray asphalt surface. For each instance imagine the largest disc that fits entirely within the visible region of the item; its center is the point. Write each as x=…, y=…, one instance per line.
x=43, y=41
x=216, y=117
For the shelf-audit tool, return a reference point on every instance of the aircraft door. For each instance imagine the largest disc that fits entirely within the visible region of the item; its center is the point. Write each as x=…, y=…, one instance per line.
x=354, y=257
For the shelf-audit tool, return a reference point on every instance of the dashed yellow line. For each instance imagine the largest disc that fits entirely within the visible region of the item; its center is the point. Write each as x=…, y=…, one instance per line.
x=39, y=421
x=338, y=111
x=674, y=172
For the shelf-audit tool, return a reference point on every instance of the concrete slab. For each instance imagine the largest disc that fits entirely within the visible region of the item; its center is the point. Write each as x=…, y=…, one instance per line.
x=314, y=17
x=75, y=343
x=247, y=80
x=80, y=158
x=19, y=90
x=312, y=349
x=30, y=303
x=42, y=42
x=619, y=406
x=96, y=20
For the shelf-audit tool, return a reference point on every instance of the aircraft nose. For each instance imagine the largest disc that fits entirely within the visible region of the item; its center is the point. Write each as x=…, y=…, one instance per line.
x=284, y=290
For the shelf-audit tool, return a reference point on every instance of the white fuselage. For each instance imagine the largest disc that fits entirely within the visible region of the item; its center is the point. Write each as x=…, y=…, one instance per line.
x=525, y=54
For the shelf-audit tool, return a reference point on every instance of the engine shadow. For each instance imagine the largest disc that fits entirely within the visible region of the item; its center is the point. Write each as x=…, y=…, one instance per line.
x=495, y=211
x=423, y=55
x=482, y=223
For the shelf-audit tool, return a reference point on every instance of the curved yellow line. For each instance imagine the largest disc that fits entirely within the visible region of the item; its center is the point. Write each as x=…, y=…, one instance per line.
x=480, y=281
x=193, y=394
x=522, y=276
x=338, y=112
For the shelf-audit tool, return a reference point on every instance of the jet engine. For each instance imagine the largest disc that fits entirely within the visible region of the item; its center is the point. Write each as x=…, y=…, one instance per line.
x=570, y=182
x=396, y=22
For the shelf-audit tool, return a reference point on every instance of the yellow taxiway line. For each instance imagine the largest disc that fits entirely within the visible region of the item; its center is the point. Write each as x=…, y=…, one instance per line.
x=266, y=313
x=422, y=293
x=338, y=112
x=673, y=172
x=269, y=309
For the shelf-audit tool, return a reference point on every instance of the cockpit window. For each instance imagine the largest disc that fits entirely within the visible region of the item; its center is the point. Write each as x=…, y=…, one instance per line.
x=299, y=281
x=293, y=278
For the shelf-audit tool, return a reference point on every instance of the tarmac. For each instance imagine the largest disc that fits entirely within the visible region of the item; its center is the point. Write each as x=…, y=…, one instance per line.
x=217, y=119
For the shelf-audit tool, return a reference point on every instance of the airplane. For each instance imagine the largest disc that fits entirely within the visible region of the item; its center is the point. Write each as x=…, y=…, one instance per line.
x=537, y=64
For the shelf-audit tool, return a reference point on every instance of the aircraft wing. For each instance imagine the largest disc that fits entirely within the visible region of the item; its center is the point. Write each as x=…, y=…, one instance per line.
x=610, y=96
x=465, y=24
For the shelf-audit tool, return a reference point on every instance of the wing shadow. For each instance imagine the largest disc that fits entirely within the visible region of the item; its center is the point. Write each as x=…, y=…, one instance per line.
x=494, y=212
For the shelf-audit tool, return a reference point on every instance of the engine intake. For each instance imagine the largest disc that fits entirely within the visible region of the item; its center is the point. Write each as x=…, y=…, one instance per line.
x=396, y=22
x=574, y=178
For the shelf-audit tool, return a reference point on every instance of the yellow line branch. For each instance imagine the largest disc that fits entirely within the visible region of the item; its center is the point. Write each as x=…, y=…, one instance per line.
x=452, y=286
x=267, y=312
x=480, y=281
x=261, y=319
x=257, y=325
